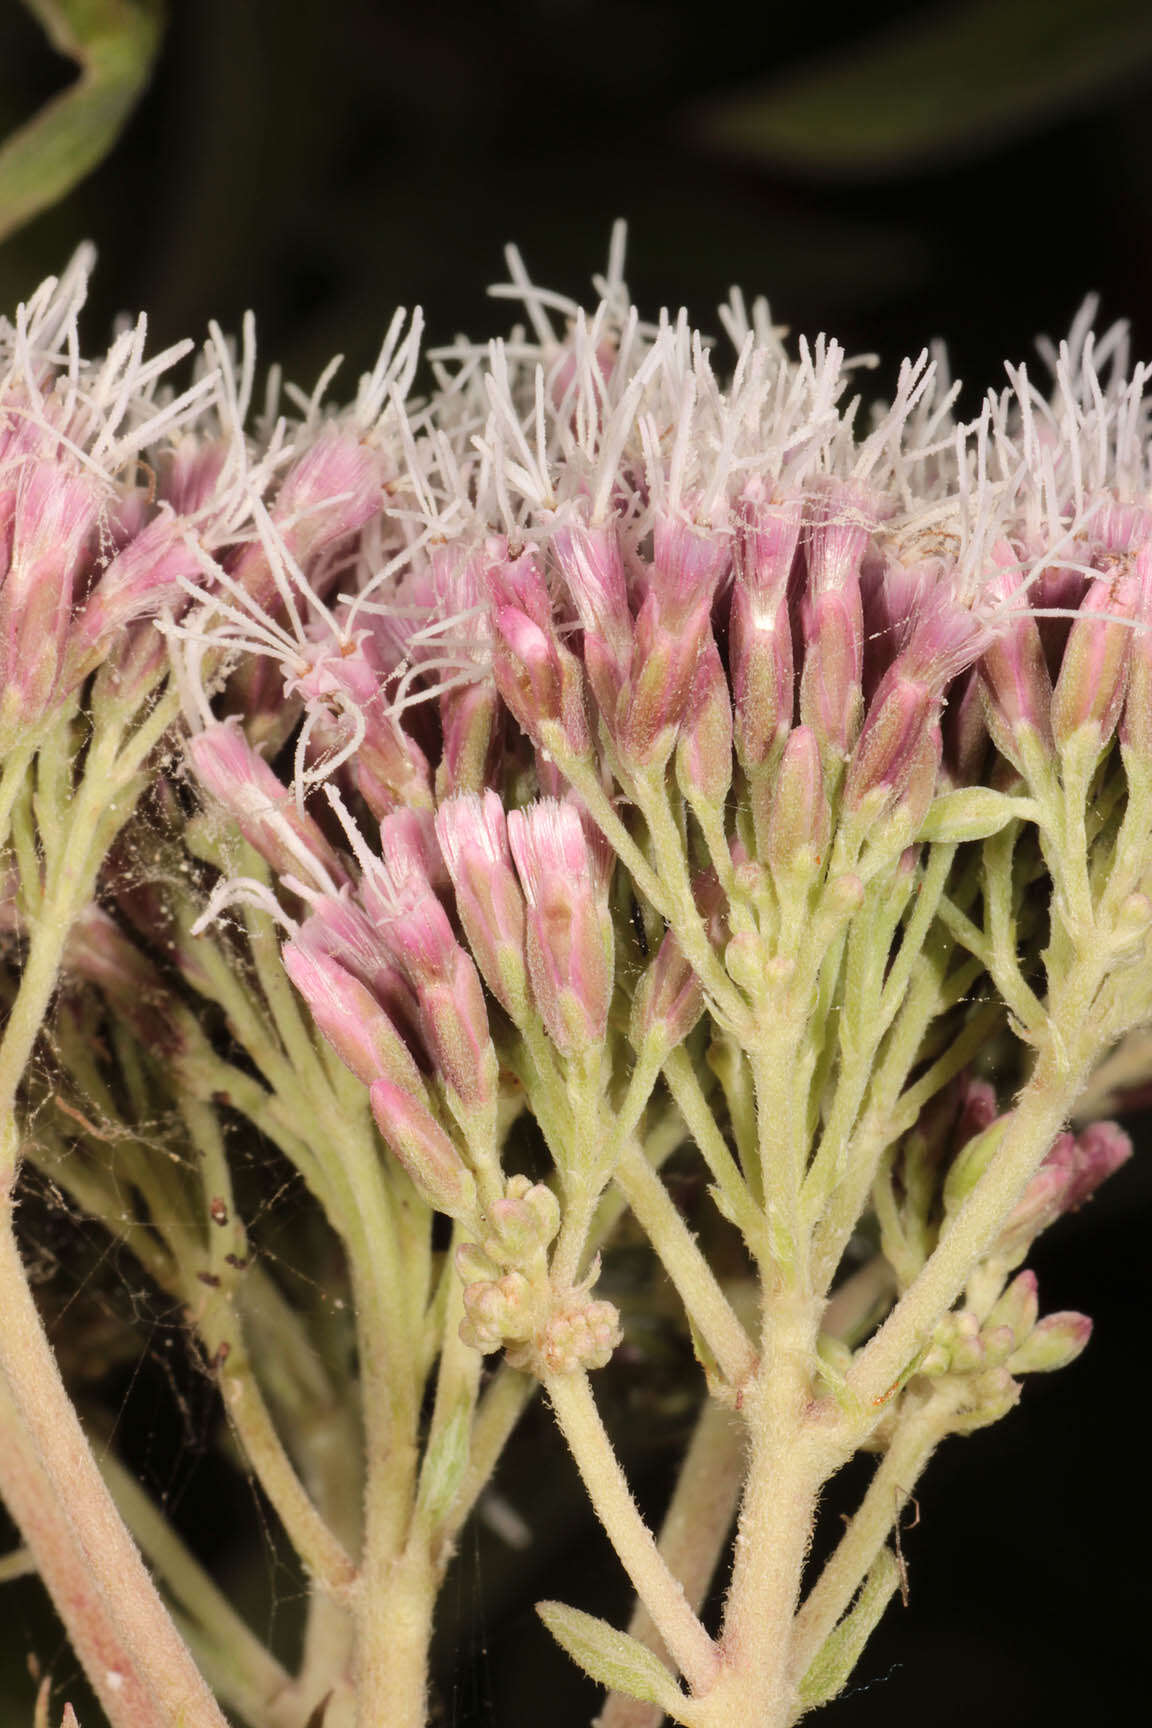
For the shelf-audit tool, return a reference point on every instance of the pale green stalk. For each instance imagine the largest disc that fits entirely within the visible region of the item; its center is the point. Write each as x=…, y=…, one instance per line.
x=917, y=1435
x=790, y=1459
x=680, y=1255
x=696, y=1528
x=653, y=1581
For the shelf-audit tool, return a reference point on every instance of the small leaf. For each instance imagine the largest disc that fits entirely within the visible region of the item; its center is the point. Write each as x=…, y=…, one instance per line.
x=114, y=43
x=612, y=1658
x=943, y=81
x=844, y=1645
x=444, y=1464
x=973, y=813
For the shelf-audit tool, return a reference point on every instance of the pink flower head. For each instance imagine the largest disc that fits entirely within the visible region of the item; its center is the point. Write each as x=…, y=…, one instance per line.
x=565, y=875
x=541, y=682
x=425, y=1151
x=45, y=547
x=468, y=703
x=799, y=821
x=591, y=563
x=241, y=782
x=1097, y=1152
x=189, y=473
x=1074, y=1168
x=1136, y=719
x=765, y=546
x=760, y=624
x=1017, y=684
x=147, y=576
x=672, y=630
x=473, y=835
x=100, y=953
x=899, y=737
x=338, y=928
x=350, y=1016
x=1094, y=671
x=841, y=519
x=669, y=998
x=327, y=495
x=704, y=745
x=414, y=927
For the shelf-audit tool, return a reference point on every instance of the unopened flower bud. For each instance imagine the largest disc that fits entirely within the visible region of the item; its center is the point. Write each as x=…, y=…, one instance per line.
x=799, y=822
x=971, y=1162
x=541, y=681
x=1053, y=1343
x=473, y=835
x=898, y=720
x=987, y=1397
x=830, y=698
x=498, y=1312
x=704, y=747
x=99, y=952
x=521, y=1223
x=965, y=1343
x=1014, y=672
x=416, y=931
x=1093, y=677
x=1017, y=1308
x=425, y=1151
x=668, y=1001
x=581, y=1335
x=350, y=1018
x=565, y=874
x=1101, y=1149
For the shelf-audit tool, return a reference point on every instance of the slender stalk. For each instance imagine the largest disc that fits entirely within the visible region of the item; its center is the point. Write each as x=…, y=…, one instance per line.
x=696, y=1527
x=688, y=1095
x=653, y=1581
x=680, y=1255
x=18, y=1563
x=1039, y=1114
x=915, y=1440
x=500, y=1407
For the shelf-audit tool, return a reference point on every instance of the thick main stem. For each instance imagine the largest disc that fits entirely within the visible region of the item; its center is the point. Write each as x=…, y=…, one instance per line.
x=789, y=1463
x=42, y=1517
x=158, y=1663
x=392, y=1669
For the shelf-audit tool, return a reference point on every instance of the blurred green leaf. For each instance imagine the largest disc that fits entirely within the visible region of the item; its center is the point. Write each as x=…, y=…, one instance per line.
x=841, y=1651
x=114, y=43
x=943, y=82
x=615, y=1660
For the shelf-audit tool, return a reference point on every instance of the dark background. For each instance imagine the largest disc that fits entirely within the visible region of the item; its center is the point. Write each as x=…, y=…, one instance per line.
x=323, y=163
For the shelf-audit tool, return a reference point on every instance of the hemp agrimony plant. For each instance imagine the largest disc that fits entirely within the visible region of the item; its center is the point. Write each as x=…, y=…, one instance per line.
x=479, y=795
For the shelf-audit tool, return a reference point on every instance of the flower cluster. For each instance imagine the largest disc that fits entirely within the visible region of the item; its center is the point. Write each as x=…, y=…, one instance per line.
x=603, y=755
